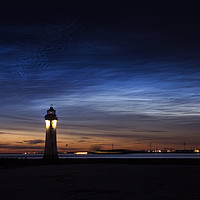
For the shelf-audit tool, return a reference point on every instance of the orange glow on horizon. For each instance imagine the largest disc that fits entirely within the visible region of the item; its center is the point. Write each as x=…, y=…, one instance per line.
x=19, y=141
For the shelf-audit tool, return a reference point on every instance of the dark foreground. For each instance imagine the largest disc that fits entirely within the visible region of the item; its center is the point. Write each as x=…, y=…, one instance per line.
x=161, y=161
x=100, y=180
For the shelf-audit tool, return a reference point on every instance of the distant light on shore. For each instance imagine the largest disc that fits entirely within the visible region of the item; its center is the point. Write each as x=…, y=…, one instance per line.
x=81, y=153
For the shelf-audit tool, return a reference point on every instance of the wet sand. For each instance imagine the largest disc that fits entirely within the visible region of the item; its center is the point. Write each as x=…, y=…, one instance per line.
x=100, y=182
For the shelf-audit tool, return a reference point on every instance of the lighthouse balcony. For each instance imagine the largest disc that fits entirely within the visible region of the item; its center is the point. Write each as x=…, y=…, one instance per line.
x=51, y=117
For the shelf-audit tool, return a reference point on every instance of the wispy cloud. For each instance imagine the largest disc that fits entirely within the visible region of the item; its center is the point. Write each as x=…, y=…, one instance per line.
x=81, y=141
x=19, y=147
x=36, y=141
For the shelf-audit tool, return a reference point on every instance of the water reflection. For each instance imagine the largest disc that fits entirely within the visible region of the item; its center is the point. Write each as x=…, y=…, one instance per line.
x=113, y=156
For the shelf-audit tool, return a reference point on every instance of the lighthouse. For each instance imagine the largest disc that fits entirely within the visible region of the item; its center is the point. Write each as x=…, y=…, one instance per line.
x=50, y=151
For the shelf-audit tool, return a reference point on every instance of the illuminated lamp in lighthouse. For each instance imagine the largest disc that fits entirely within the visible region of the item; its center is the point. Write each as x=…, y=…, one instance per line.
x=50, y=151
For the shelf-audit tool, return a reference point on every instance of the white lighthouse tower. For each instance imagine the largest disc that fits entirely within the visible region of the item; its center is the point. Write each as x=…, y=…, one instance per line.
x=50, y=151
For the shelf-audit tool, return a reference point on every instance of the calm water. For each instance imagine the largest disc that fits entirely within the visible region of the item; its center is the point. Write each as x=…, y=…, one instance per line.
x=127, y=156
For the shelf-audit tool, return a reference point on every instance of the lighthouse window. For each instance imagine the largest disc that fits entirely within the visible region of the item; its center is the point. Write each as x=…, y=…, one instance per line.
x=51, y=112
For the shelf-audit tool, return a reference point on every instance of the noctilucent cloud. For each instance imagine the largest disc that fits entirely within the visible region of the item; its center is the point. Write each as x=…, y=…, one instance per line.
x=116, y=72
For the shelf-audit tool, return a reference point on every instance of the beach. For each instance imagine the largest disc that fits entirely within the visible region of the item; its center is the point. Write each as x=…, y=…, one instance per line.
x=100, y=181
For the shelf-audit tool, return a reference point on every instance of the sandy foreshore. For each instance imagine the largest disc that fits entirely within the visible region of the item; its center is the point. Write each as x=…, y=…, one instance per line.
x=98, y=181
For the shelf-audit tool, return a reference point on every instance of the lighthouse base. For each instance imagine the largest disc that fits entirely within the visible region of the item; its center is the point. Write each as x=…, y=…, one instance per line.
x=50, y=157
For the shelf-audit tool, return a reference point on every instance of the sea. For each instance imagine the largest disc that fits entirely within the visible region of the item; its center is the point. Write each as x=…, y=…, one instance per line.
x=109, y=156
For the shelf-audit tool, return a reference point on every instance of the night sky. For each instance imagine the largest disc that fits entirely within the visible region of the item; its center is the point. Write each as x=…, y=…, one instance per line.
x=118, y=72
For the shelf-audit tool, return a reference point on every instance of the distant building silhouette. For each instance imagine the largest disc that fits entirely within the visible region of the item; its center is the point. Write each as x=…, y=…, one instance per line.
x=50, y=151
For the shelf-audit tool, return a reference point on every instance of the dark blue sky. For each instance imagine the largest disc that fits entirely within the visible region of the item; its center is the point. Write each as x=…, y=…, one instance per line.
x=115, y=71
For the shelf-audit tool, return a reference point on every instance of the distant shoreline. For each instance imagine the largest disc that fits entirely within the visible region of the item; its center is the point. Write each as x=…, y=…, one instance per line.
x=115, y=152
